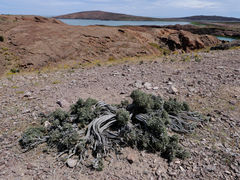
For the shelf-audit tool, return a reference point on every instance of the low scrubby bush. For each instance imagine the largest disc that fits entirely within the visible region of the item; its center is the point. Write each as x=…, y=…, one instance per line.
x=96, y=127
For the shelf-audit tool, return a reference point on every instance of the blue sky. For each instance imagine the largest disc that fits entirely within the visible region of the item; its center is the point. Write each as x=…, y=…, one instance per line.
x=154, y=8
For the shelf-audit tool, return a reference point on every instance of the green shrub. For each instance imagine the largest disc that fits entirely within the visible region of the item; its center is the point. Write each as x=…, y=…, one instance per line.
x=98, y=128
x=122, y=117
x=1, y=38
x=83, y=111
x=197, y=58
x=173, y=149
x=64, y=138
x=173, y=107
x=124, y=104
x=14, y=70
x=31, y=136
x=142, y=101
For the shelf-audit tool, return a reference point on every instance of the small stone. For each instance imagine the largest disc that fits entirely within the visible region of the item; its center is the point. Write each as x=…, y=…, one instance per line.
x=73, y=81
x=27, y=94
x=152, y=166
x=122, y=92
x=157, y=173
x=172, y=173
x=138, y=84
x=170, y=83
x=47, y=124
x=44, y=75
x=220, y=67
x=232, y=102
x=191, y=89
x=182, y=169
x=212, y=119
x=145, y=172
x=237, y=70
x=30, y=166
x=63, y=103
x=115, y=74
x=72, y=163
x=211, y=168
x=173, y=90
x=131, y=158
x=16, y=135
x=148, y=85
x=227, y=172
x=25, y=111
x=155, y=88
x=177, y=162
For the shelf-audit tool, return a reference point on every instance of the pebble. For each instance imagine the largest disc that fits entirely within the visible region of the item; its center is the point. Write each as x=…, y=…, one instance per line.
x=173, y=90
x=27, y=94
x=160, y=171
x=177, y=162
x=131, y=158
x=212, y=119
x=170, y=83
x=25, y=111
x=63, y=103
x=139, y=84
x=211, y=168
x=220, y=67
x=71, y=163
x=47, y=124
x=30, y=166
x=148, y=85
x=232, y=102
x=227, y=172
x=182, y=169
x=191, y=89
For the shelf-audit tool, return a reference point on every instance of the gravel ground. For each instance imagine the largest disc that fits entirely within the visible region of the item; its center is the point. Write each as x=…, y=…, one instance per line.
x=210, y=85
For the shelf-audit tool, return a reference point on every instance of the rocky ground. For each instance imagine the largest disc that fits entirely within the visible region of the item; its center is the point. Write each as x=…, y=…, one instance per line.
x=216, y=29
x=210, y=83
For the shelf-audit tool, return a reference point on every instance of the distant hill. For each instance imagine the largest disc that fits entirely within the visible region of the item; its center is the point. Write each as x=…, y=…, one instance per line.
x=101, y=15
x=210, y=18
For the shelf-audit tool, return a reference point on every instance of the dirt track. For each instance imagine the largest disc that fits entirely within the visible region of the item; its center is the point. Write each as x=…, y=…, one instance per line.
x=211, y=86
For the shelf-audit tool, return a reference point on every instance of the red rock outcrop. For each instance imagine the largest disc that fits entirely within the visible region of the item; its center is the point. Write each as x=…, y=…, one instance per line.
x=215, y=29
x=34, y=42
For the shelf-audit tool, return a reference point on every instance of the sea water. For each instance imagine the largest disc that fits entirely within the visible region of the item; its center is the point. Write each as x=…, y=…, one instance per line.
x=225, y=38
x=86, y=22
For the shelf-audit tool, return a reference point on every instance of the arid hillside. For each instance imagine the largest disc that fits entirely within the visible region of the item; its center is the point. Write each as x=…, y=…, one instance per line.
x=101, y=15
x=30, y=42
